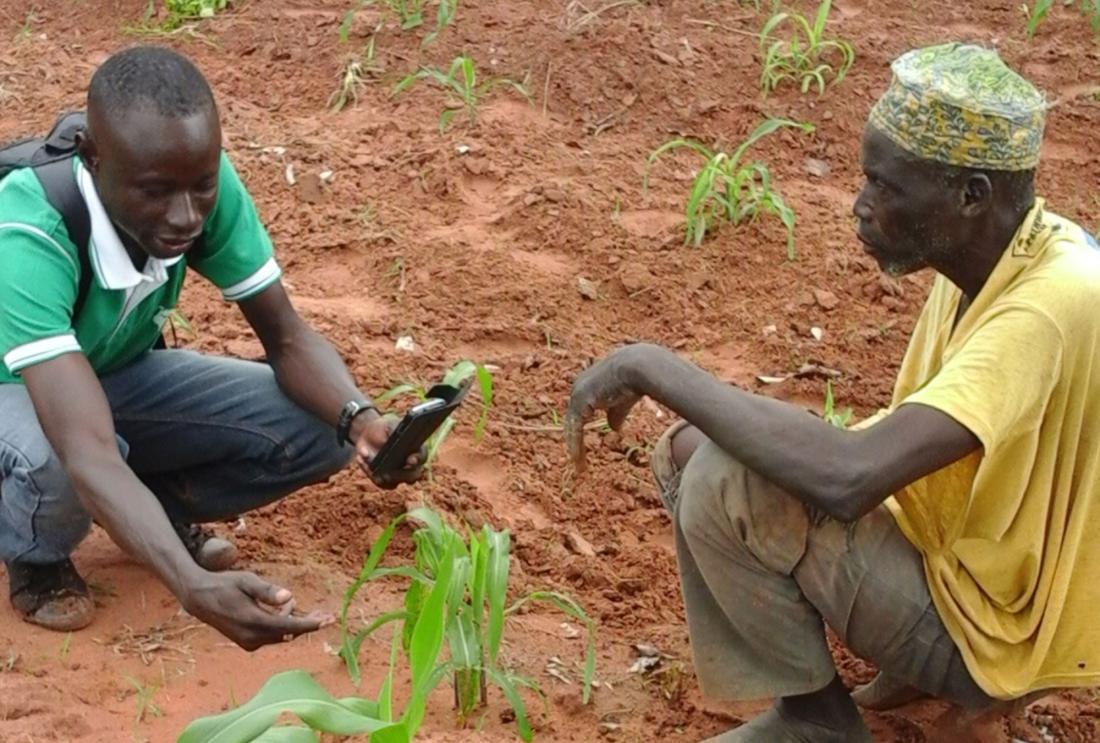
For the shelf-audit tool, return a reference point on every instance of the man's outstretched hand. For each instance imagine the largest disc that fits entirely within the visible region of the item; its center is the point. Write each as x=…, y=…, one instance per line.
x=606, y=385
x=369, y=441
x=247, y=609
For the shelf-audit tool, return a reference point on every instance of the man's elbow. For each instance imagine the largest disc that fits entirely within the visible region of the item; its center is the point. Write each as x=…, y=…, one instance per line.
x=292, y=339
x=850, y=497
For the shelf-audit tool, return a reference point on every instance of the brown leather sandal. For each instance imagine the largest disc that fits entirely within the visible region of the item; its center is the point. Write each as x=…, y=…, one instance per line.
x=211, y=552
x=53, y=595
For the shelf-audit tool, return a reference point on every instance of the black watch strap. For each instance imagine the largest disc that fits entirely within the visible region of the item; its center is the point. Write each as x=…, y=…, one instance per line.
x=351, y=409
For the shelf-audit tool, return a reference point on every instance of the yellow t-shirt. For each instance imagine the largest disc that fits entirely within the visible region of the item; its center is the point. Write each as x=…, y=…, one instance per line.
x=1011, y=535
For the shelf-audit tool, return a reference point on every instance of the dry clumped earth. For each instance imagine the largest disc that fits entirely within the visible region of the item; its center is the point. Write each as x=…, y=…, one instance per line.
x=471, y=242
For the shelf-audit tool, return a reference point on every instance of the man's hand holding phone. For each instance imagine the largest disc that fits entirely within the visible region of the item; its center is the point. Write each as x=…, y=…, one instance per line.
x=372, y=436
x=393, y=451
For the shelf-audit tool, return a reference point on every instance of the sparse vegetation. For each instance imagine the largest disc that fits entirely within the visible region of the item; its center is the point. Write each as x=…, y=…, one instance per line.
x=192, y=9
x=806, y=56
x=409, y=15
x=724, y=188
x=1036, y=14
x=355, y=72
x=180, y=326
x=143, y=700
x=460, y=82
x=832, y=416
x=25, y=31
x=456, y=593
x=180, y=17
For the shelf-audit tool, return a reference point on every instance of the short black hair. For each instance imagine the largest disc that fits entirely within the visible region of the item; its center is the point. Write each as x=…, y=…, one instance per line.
x=152, y=78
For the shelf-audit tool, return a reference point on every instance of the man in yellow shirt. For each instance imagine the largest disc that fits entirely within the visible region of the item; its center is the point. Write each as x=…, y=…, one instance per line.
x=950, y=538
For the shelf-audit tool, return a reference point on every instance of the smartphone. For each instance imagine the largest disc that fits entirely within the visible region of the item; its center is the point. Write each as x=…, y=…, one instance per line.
x=414, y=430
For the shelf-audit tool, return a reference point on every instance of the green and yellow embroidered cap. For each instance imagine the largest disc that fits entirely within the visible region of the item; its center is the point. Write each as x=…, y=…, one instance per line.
x=960, y=104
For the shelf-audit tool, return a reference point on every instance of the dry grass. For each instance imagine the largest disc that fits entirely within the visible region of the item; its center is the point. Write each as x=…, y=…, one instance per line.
x=160, y=640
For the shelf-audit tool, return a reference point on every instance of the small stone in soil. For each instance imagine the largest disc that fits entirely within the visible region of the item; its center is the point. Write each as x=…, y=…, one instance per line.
x=587, y=288
x=578, y=544
x=825, y=299
x=815, y=167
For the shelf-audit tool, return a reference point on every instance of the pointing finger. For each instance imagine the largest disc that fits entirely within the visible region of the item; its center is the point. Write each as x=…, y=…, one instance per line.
x=574, y=439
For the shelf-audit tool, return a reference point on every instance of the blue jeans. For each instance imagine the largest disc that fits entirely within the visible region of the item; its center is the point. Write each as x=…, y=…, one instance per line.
x=211, y=437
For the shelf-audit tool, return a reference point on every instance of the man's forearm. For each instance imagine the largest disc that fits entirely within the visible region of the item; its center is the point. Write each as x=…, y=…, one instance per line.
x=134, y=519
x=312, y=374
x=802, y=454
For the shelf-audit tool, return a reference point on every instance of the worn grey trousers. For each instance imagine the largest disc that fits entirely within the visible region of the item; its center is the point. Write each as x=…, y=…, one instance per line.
x=761, y=573
x=211, y=437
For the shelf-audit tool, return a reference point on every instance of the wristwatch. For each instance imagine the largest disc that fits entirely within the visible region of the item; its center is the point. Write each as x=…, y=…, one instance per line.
x=351, y=409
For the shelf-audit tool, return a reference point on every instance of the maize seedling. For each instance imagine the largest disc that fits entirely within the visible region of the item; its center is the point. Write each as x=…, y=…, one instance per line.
x=1036, y=14
x=801, y=57
x=461, y=85
x=475, y=570
x=726, y=189
x=409, y=13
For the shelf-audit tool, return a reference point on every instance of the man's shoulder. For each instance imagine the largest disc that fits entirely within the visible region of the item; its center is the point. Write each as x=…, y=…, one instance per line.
x=1069, y=259
x=1062, y=230
x=233, y=199
x=1064, y=281
x=25, y=209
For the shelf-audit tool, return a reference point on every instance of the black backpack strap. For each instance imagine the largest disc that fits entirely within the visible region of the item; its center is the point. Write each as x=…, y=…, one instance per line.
x=59, y=182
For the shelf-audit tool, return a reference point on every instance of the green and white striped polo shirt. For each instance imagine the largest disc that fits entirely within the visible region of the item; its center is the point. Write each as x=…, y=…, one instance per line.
x=125, y=309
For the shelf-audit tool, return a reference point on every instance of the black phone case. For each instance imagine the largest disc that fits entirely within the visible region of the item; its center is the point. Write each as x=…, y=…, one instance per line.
x=413, y=430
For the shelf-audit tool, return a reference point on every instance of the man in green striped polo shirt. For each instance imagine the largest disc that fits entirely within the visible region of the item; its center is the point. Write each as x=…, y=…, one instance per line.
x=95, y=424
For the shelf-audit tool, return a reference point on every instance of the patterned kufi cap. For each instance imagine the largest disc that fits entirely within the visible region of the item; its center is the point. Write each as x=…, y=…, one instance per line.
x=961, y=104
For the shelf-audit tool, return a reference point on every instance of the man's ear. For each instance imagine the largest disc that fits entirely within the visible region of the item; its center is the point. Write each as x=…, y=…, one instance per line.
x=87, y=151
x=977, y=195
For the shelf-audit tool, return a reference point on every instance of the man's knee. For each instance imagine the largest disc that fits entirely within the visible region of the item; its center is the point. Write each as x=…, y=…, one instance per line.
x=710, y=489
x=667, y=462
x=724, y=502
x=42, y=514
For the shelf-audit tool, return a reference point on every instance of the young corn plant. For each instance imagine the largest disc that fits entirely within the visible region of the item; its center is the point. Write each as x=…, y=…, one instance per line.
x=409, y=14
x=478, y=567
x=832, y=416
x=455, y=377
x=1036, y=14
x=726, y=189
x=462, y=87
x=181, y=328
x=806, y=57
